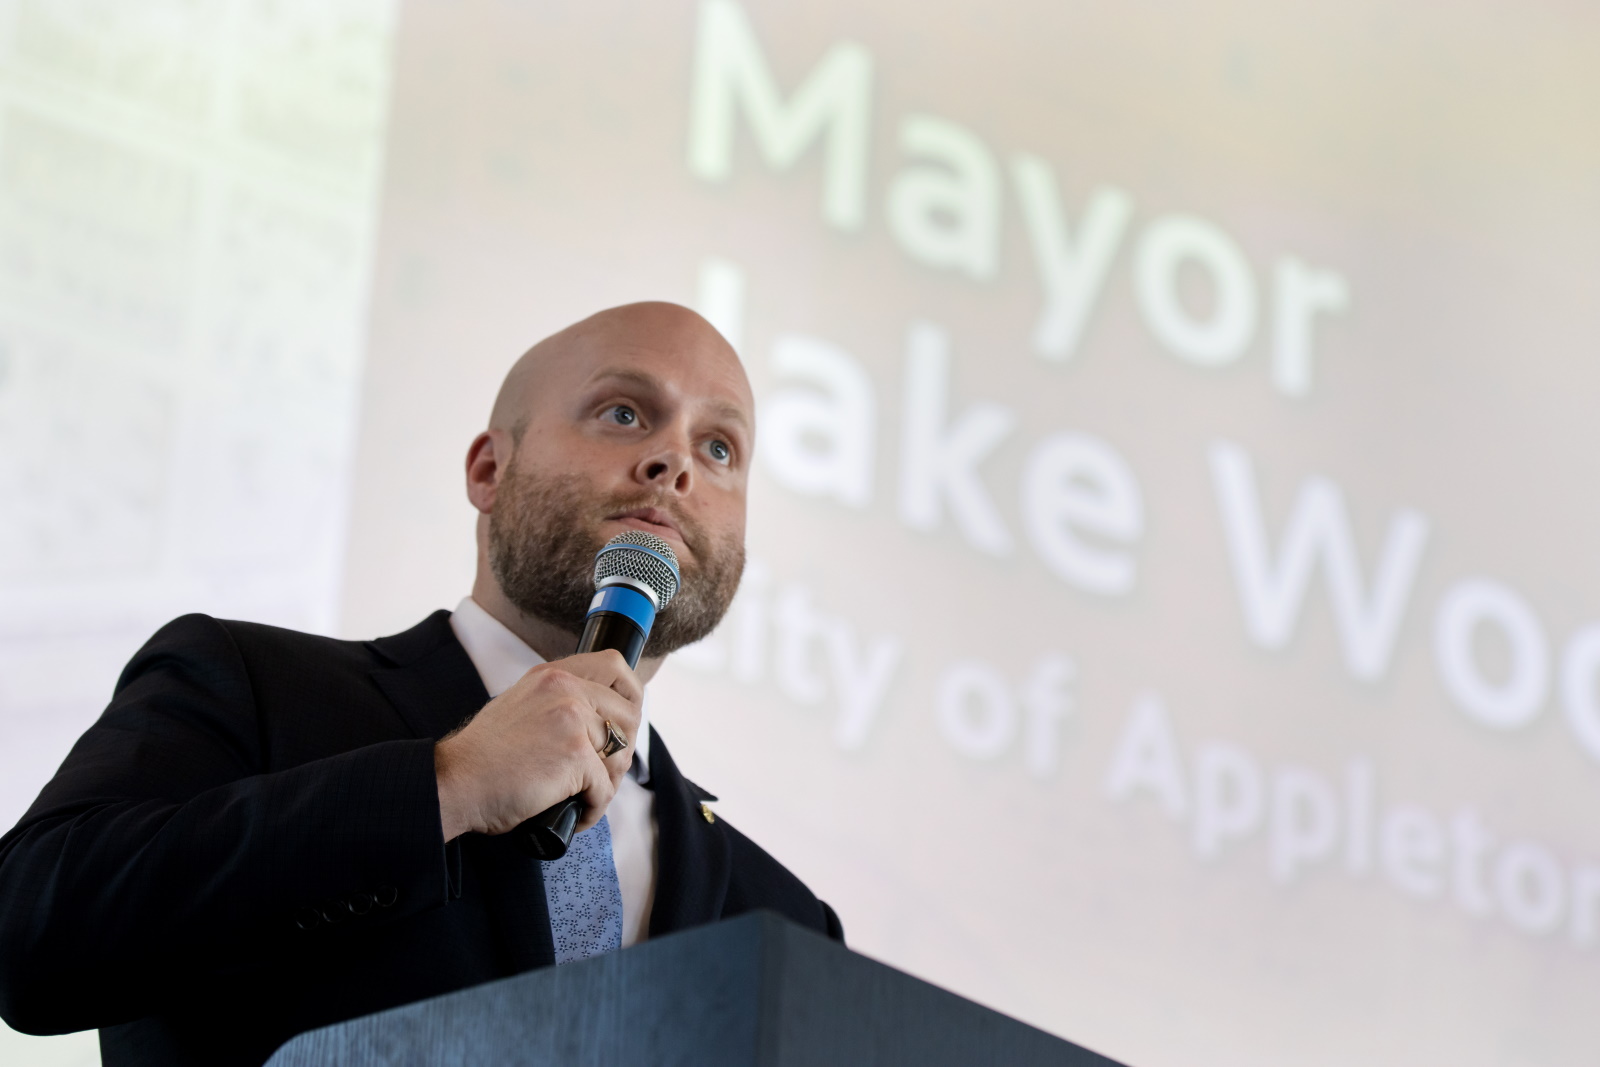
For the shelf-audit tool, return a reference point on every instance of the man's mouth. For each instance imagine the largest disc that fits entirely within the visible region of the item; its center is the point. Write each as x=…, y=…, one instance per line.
x=650, y=520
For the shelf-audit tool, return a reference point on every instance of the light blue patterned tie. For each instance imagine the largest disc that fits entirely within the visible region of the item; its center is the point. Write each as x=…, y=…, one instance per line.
x=584, y=896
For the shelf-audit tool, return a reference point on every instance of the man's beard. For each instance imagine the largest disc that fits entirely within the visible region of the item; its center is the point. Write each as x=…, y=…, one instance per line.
x=542, y=541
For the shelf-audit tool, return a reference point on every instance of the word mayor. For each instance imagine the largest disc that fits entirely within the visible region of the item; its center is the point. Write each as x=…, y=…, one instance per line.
x=943, y=209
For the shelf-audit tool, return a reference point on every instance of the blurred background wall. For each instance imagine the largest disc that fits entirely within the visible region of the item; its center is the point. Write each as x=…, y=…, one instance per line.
x=1173, y=615
x=187, y=201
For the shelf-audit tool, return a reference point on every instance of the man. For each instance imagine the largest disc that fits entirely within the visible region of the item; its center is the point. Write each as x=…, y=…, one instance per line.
x=269, y=831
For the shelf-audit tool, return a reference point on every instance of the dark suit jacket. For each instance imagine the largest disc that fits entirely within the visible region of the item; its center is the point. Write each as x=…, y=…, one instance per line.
x=247, y=845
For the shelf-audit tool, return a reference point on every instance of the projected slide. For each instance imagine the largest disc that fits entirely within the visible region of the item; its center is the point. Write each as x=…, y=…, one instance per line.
x=1173, y=615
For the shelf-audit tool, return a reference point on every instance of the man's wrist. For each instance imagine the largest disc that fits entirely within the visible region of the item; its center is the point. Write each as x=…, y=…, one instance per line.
x=455, y=810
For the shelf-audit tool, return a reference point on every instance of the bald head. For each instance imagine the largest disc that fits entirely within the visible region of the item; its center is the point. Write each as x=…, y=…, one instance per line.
x=637, y=418
x=650, y=329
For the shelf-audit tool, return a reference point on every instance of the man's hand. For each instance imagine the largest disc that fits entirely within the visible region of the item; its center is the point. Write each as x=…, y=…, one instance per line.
x=539, y=743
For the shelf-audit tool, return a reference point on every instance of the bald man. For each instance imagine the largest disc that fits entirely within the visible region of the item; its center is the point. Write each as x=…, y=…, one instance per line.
x=269, y=831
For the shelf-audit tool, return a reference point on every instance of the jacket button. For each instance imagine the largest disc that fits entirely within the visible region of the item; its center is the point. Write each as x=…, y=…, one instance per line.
x=360, y=903
x=386, y=896
x=334, y=911
x=306, y=918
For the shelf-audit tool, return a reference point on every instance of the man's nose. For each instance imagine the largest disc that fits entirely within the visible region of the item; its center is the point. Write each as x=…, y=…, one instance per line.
x=668, y=468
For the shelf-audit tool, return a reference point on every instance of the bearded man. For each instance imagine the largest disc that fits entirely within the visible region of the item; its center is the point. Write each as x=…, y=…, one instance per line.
x=269, y=831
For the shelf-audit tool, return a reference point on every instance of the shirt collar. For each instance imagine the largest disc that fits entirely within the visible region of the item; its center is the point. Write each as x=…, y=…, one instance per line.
x=502, y=657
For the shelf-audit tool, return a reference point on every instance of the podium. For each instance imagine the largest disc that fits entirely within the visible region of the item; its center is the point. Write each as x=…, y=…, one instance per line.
x=754, y=991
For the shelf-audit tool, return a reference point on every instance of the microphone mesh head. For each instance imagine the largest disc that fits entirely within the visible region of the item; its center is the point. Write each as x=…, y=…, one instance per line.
x=642, y=557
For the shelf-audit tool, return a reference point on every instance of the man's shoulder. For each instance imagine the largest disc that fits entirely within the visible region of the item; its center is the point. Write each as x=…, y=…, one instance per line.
x=284, y=696
x=251, y=665
x=200, y=635
x=760, y=881
x=757, y=866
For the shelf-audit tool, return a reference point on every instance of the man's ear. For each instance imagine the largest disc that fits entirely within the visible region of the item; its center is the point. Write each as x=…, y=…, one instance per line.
x=487, y=458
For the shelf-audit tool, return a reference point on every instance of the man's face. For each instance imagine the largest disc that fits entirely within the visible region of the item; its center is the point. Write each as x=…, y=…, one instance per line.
x=645, y=426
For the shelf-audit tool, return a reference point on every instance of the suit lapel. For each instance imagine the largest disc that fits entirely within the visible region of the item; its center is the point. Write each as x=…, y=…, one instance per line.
x=693, y=855
x=434, y=686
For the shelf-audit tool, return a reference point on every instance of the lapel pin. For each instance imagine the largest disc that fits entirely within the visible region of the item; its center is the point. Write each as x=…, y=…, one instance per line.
x=705, y=810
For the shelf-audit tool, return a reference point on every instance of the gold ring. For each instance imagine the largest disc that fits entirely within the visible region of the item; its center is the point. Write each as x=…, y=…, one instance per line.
x=615, y=742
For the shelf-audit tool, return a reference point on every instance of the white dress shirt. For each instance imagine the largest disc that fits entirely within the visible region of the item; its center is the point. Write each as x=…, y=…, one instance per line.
x=501, y=658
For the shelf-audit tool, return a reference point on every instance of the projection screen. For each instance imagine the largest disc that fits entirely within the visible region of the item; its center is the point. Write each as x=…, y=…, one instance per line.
x=1172, y=614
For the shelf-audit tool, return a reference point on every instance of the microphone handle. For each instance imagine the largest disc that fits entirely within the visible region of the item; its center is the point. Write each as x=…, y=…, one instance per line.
x=548, y=834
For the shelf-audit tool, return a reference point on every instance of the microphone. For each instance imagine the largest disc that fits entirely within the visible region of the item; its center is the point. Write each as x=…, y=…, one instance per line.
x=635, y=577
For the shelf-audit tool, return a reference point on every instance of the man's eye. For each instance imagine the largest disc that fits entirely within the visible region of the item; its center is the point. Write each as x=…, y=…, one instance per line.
x=623, y=415
x=720, y=451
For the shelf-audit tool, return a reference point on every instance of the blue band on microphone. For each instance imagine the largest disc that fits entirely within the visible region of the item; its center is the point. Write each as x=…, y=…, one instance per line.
x=628, y=601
